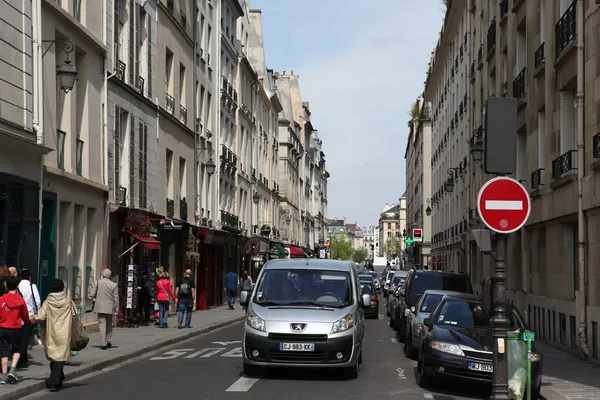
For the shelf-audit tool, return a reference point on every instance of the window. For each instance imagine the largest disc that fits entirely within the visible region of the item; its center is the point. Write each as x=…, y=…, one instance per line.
x=77, y=10
x=168, y=68
x=169, y=167
x=60, y=149
x=182, y=180
x=79, y=157
x=429, y=303
x=181, y=84
x=541, y=140
x=143, y=166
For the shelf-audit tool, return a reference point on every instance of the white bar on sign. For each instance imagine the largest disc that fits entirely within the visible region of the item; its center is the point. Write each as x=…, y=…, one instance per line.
x=515, y=205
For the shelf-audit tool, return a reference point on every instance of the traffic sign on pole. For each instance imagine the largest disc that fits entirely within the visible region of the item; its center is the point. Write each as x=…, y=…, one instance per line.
x=503, y=204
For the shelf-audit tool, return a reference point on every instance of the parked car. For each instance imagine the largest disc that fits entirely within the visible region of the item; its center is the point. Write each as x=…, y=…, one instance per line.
x=395, y=284
x=419, y=281
x=458, y=343
x=376, y=280
x=305, y=313
x=387, y=282
x=371, y=308
x=415, y=318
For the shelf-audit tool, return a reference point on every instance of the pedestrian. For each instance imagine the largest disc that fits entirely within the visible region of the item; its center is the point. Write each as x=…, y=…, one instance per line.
x=31, y=295
x=186, y=297
x=58, y=312
x=231, y=285
x=164, y=291
x=145, y=298
x=245, y=285
x=12, y=271
x=13, y=314
x=106, y=304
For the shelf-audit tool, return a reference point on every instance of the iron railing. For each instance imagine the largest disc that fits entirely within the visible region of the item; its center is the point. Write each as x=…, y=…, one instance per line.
x=183, y=114
x=519, y=87
x=566, y=29
x=229, y=219
x=170, y=208
x=564, y=164
x=540, y=56
x=596, y=150
x=491, y=36
x=536, y=178
x=503, y=9
x=122, y=196
x=170, y=103
x=183, y=209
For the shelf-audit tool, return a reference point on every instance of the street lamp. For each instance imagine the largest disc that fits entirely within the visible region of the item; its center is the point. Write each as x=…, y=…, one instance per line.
x=477, y=145
x=255, y=198
x=67, y=73
x=449, y=184
x=428, y=209
x=210, y=164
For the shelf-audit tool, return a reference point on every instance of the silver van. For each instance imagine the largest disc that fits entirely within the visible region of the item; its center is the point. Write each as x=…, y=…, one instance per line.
x=305, y=313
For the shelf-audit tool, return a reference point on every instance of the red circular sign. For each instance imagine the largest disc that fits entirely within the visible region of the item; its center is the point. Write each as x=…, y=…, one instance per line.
x=503, y=205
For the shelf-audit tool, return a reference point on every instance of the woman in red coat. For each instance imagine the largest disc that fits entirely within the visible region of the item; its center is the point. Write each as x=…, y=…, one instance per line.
x=164, y=290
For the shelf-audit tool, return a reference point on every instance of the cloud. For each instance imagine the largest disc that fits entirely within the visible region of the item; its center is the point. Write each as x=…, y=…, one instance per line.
x=360, y=68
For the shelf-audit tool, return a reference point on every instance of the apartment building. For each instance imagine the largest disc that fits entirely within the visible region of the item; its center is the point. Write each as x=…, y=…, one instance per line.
x=526, y=49
x=418, y=182
x=75, y=175
x=390, y=230
x=320, y=175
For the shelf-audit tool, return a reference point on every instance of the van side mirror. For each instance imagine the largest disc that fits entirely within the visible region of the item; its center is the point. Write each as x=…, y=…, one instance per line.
x=366, y=299
x=244, y=297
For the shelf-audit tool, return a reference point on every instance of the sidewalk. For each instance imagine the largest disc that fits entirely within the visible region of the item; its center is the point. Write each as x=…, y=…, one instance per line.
x=568, y=377
x=128, y=343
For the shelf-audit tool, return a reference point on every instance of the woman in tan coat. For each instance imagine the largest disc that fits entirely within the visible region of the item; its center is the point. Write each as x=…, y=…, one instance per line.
x=58, y=311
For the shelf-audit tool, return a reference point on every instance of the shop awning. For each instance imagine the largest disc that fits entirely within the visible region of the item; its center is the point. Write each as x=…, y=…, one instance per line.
x=148, y=242
x=277, y=250
x=309, y=252
x=297, y=252
x=259, y=245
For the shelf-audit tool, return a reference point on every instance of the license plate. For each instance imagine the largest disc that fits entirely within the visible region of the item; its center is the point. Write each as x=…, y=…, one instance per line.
x=296, y=347
x=481, y=367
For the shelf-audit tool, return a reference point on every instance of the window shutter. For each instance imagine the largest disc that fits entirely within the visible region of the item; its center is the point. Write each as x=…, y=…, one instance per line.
x=131, y=159
x=149, y=58
x=116, y=29
x=131, y=46
x=117, y=151
x=143, y=167
x=62, y=235
x=138, y=43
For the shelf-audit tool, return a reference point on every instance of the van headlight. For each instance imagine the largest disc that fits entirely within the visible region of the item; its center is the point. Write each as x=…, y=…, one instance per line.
x=343, y=324
x=256, y=322
x=449, y=348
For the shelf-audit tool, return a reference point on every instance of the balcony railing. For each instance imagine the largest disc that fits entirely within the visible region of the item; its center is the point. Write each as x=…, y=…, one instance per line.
x=480, y=55
x=596, y=150
x=519, y=84
x=563, y=164
x=183, y=209
x=491, y=36
x=540, y=56
x=503, y=9
x=170, y=208
x=139, y=85
x=230, y=220
x=121, y=67
x=122, y=196
x=170, y=103
x=183, y=114
x=473, y=69
x=566, y=29
x=536, y=178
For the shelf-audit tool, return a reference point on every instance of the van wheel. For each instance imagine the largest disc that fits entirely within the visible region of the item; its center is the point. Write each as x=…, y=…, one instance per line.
x=423, y=380
x=250, y=370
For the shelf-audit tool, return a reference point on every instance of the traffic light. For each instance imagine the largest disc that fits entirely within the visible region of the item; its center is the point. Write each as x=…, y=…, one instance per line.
x=404, y=232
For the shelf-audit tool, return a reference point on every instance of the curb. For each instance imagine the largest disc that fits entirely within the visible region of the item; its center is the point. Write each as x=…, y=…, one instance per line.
x=99, y=366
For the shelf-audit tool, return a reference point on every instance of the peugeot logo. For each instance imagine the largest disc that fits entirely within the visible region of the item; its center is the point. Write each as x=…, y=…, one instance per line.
x=298, y=327
x=486, y=348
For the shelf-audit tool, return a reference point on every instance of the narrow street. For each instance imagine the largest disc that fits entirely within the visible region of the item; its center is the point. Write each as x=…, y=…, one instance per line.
x=210, y=367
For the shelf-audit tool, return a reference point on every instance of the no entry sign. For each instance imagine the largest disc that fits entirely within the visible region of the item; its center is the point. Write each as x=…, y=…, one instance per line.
x=503, y=205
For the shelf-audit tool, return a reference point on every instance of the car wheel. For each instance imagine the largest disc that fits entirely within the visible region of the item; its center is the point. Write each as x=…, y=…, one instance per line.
x=391, y=322
x=401, y=331
x=250, y=370
x=423, y=380
x=409, y=350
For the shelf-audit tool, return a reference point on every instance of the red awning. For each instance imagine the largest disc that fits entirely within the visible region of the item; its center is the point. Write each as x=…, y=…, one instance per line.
x=297, y=251
x=147, y=241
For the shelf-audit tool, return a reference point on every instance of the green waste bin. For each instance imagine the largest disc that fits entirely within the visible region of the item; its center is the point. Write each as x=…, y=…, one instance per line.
x=519, y=363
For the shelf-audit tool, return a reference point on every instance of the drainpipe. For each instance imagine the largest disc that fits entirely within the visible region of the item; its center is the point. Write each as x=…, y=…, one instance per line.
x=38, y=109
x=580, y=295
x=196, y=111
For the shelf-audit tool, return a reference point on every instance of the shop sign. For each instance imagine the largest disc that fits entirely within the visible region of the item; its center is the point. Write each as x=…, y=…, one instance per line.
x=265, y=230
x=170, y=225
x=138, y=222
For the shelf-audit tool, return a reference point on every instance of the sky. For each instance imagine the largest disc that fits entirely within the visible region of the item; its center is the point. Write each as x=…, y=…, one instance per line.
x=361, y=66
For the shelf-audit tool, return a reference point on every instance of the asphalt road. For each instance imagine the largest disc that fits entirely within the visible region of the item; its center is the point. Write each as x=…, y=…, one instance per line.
x=210, y=367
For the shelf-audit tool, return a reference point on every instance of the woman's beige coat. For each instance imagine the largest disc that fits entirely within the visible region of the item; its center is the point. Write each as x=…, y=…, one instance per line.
x=58, y=311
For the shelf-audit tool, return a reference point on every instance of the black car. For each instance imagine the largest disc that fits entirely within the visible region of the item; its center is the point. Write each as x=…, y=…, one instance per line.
x=458, y=343
x=417, y=282
x=372, y=309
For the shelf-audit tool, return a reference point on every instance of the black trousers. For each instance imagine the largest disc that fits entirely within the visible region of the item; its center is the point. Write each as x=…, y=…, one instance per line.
x=145, y=307
x=26, y=333
x=56, y=375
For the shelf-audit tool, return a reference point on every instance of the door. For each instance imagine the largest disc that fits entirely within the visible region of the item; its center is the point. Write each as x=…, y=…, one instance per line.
x=47, y=267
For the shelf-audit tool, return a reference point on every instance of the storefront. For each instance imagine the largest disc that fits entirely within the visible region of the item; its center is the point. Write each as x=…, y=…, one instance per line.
x=296, y=252
x=209, y=283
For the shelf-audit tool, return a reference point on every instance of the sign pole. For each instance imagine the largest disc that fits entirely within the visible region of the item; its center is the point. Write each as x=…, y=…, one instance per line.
x=500, y=323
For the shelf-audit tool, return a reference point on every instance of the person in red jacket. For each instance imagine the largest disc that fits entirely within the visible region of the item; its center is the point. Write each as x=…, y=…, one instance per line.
x=164, y=291
x=13, y=313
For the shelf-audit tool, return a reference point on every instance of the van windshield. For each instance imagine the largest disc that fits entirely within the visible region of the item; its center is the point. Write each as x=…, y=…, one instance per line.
x=304, y=287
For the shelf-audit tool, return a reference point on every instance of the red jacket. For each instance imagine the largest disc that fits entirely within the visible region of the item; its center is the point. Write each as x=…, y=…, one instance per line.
x=164, y=290
x=13, y=310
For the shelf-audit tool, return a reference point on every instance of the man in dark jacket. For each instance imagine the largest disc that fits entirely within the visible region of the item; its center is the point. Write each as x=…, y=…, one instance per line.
x=231, y=285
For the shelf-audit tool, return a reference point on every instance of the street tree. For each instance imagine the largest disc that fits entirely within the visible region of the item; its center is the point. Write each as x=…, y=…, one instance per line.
x=392, y=247
x=340, y=248
x=360, y=255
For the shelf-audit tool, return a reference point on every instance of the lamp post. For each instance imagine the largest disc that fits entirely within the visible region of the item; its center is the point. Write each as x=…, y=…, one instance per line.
x=449, y=184
x=66, y=73
x=428, y=209
x=477, y=145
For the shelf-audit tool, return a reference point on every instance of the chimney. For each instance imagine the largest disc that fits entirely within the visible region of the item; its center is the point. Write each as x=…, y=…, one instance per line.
x=292, y=72
x=283, y=72
x=276, y=73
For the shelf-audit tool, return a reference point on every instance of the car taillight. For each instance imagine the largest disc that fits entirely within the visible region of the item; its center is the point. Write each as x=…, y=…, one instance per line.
x=374, y=302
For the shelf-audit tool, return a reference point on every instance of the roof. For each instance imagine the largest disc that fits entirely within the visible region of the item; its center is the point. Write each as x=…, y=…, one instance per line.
x=309, y=263
x=394, y=209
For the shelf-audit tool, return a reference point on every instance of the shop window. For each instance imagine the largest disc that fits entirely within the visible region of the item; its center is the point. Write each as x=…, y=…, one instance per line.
x=79, y=157
x=573, y=332
x=562, y=332
x=60, y=149
x=77, y=282
x=89, y=281
x=595, y=340
x=63, y=275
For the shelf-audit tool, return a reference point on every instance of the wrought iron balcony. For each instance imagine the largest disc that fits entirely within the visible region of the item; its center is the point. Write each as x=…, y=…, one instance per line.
x=120, y=73
x=503, y=9
x=491, y=36
x=230, y=220
x=170, y=103
x=540, y=56
x=480, y=55
x=224, y=84
x=121, y=196
x=473, y=69
x=566, y=29
x=183, y=19
x=170, y=208
x=183, y=114
x=519, y=87
x=536, y=178
x=183, y=209
x=596, y=150
x=563, y=164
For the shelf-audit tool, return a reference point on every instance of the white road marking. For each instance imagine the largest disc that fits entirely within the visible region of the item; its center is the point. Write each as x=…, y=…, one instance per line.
x=242, y=385
x=236, y=352
x=401, y=374
x=169, y=355
x=203, y=352
x=393, y=340
x=428, y=395
x=228, y=343
x=515, y=205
